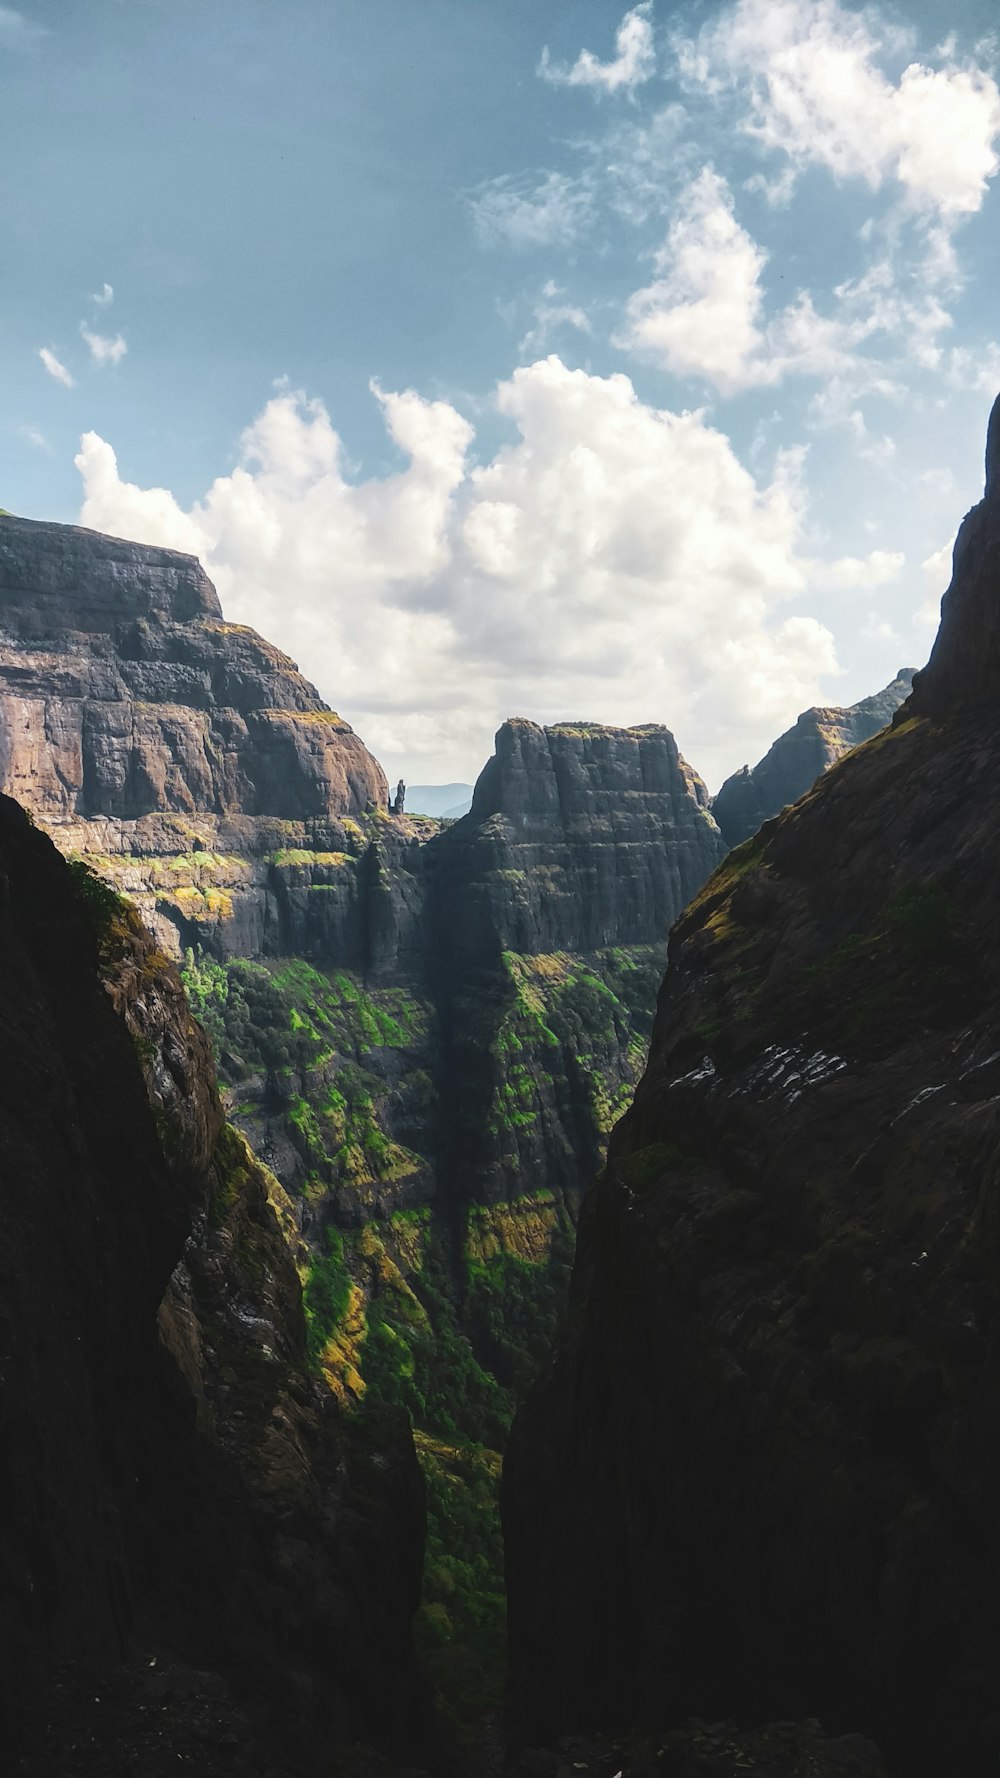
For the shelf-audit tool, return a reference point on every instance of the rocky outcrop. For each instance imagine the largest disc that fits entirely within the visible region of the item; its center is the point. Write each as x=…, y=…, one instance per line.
x=791, y=766
x=580, y=837
x=123, y=693
x=759, y=1477
x=180, y=1494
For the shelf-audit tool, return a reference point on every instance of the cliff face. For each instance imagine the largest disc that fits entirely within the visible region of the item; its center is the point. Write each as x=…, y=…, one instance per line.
x=580, y=837
x=127, y=702
x=190, y=1531
x=791, y=766
x=759, y=1477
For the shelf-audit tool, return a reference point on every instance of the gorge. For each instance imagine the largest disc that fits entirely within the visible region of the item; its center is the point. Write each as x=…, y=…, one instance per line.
x=426, y=1032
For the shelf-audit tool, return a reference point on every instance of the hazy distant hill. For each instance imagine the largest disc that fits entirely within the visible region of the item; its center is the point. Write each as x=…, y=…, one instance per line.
x=444, y=801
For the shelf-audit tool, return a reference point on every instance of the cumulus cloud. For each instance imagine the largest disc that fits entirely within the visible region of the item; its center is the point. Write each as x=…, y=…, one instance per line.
x=875, y=569
x=56, y=368
x=634, y=60
x=704, y=316
x=614, y=561
x=530, y=210
x=809, y=73
x=102, y=349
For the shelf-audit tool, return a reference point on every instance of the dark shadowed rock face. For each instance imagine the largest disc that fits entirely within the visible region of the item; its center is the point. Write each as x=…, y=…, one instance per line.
x=179, y=1493
x=791, y=766
x=123, y=693
x=760, y=1478
x=580, y=836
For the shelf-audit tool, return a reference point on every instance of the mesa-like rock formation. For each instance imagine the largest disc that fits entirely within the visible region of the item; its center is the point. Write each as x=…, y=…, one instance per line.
x=580, y=836
x=790, y=767
x=202, y=1562
x=139, y=726
x=759, y=1478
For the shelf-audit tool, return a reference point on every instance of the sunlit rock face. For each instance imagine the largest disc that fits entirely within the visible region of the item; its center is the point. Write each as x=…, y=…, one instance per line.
x=791, y=766
x=759, y=1478
x=123, y=693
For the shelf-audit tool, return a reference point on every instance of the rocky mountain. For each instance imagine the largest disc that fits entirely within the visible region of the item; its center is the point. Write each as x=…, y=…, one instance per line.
x=791, y=766
x=204, y=1561
x=425, y=1034
x=759, y=1476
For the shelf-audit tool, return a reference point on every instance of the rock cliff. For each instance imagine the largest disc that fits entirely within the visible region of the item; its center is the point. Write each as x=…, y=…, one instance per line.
x=203, y=1563
x=759, y=1476
x=426, y=1034
x=791, y=766
x=128, y=706
x=580, y=837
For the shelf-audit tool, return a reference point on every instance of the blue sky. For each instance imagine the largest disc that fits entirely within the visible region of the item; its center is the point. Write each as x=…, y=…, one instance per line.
x=544, y=357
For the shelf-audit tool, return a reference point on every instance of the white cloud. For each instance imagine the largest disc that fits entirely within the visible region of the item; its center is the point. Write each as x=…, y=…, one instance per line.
x=633, y=62
x=530, y=210
x=778, y=192
x=879, y=629
x=549, y=316
x=615, y=561
x=875, y=569
x=704, y=317
x=936, y=572
x=56, y=368
x=638, y=164
x=103, y=297
x=809, y=71
x=36, y=438
x=980, y=369
x=102, y=349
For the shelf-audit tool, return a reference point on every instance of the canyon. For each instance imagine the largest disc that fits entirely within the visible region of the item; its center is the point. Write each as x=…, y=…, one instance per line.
x=426, y=1033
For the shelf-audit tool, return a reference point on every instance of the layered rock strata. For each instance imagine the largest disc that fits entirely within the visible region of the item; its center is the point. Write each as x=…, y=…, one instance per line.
x=791, y=766
x=127, y=702
x=759, y=1477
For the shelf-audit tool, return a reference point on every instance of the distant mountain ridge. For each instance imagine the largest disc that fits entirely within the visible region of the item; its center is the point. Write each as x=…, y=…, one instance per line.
x=446, y=802
x=816, y=740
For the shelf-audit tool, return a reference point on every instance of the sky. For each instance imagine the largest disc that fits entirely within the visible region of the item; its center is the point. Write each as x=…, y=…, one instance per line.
x=515, y=357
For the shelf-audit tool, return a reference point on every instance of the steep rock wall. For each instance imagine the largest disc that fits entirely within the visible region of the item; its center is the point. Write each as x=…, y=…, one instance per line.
x=759, y=1476
x=123, y=693
x=179, y=1492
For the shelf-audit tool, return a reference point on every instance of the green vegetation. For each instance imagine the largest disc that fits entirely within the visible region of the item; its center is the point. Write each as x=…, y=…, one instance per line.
x=447, y=1324
x=461, y=1625
x=327, y=1293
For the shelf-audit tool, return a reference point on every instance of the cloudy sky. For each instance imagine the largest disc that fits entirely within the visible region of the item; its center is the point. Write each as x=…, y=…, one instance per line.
x=533, y=357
